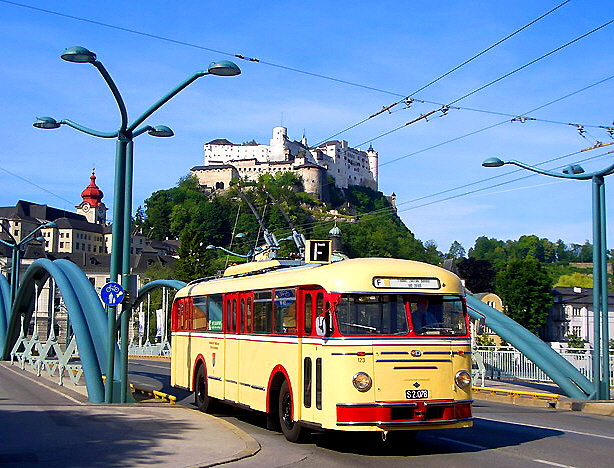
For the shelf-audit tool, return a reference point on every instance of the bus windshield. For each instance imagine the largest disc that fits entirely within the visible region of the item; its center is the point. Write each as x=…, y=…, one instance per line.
x=382, y=314
x=386, y=314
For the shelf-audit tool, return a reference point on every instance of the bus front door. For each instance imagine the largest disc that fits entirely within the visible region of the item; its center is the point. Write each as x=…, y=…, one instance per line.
x=231, y=343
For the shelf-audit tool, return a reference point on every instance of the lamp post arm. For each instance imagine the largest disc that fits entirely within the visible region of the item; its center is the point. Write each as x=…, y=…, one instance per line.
x=585, y=176
x=232, y=253
x=29, y=237
x=116, y=94
x=548, y=173
x=5, y=229
x=163, y=100
x=142, y=130
x=87, y=130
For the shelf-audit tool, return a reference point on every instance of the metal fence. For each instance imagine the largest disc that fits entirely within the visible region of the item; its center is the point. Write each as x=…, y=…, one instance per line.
x=494, y=362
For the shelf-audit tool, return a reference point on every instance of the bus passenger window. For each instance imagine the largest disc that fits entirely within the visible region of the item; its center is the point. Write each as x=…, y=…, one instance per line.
x=249, y=316
x=200, y=314
x=308, y=314
x=263, y=312
x=285, y=311
x=242, y=316
x=233, y=317
x=215, y=312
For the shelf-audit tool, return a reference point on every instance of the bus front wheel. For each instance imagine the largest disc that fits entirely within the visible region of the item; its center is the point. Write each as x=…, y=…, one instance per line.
x=291, y=429
x=201, y=397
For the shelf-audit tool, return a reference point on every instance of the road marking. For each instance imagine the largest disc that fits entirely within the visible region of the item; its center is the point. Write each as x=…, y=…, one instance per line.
x=546, y=462
x=150, y=365
x=38, y=381
x=549, y=428
x=479, y=447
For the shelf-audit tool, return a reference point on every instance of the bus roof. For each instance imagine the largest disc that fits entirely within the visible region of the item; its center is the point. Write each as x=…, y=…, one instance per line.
x=364, y=275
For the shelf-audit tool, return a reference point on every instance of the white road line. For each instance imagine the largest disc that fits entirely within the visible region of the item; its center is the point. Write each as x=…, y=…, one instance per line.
x=151, y=365
x=479, y=447
x=37, y=381
x=549, y=428
x=546, y=462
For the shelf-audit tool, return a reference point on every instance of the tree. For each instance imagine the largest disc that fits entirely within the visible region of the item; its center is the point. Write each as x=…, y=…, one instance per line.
x=457, y=251
x=479, y=275
x=575, y=280
x=525, y=288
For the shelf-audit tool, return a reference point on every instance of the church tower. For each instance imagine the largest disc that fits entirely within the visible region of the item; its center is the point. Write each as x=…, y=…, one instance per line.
x=92, y=206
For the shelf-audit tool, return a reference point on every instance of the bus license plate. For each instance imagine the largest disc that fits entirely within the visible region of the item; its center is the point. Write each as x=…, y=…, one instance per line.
x=416, y=394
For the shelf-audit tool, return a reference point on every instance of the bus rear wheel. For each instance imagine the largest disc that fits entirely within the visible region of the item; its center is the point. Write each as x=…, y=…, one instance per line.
x=201, y=397
x=292, y=430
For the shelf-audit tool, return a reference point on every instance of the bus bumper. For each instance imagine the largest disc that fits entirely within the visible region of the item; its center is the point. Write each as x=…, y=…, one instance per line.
x=406, y=415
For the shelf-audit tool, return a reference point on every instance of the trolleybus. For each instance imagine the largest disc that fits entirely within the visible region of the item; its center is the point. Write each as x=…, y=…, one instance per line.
x=368, y=344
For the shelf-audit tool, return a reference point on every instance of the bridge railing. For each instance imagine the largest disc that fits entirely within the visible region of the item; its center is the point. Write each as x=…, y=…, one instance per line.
x=509, y=363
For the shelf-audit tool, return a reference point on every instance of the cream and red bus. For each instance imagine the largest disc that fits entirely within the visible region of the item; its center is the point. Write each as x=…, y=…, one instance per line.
x=368, y=344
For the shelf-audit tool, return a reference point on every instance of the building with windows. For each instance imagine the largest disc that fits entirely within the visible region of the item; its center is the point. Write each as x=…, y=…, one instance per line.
x=572, y=314
x=225, y=161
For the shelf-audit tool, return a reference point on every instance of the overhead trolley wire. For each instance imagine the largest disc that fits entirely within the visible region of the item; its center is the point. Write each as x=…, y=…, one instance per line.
x=481, y=88
x=492, y=46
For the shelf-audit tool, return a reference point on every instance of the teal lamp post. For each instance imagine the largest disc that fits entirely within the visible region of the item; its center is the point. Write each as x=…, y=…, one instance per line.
x=601, y=355
x=16, y=248
x=122, y=203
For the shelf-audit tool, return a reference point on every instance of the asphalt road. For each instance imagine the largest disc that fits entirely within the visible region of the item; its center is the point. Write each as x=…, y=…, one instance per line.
x=503, y=436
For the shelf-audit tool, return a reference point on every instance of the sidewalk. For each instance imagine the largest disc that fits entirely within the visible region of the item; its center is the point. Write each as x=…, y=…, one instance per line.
x=534, y=394
x=44, y=424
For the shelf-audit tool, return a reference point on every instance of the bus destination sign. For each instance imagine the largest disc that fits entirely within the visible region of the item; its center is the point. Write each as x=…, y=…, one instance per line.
x=406, y=283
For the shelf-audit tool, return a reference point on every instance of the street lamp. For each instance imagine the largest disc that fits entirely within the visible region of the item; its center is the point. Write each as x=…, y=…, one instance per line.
x=601, y=355
x=16, y=246
x=122, y=204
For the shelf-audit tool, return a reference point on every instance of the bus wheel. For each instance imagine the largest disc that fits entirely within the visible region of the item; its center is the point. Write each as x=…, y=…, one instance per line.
x=291, y=429
x=201, y=398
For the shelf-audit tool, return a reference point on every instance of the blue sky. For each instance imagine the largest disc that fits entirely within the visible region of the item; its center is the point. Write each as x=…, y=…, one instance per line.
x=386, y=49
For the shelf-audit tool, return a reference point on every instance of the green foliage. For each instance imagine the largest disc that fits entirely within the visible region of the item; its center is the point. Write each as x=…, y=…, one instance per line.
x=525, y=288
x=574, y=341
x=383, y=236
x=479, y=275
x=575, y=280
x=498, y=252
x=484, y=340
x=457, y=251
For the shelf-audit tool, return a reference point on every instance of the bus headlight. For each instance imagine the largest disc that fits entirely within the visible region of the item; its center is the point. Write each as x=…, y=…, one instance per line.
x=362, y=381
x=463, y=379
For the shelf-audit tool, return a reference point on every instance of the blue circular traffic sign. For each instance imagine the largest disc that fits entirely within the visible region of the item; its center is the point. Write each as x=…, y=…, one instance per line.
x=112, y=294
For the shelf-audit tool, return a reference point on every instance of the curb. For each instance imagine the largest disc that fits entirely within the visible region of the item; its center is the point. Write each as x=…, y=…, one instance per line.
x=252, y=447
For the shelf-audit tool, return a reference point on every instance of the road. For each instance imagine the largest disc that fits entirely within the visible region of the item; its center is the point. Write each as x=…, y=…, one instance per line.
x=503, y=436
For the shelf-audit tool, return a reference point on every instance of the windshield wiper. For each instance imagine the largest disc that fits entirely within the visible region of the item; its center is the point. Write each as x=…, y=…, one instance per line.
x=365, y=327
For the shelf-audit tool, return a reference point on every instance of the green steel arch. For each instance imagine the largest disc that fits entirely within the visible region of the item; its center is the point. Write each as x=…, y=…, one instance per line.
x=5, y=307
x=561, y=371
x=87, y=316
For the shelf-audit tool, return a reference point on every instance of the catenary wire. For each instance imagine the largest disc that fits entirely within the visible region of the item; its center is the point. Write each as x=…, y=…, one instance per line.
x=432, y=82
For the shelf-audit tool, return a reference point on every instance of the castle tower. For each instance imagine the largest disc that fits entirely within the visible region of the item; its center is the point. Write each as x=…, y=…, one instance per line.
x=92, y=206
x=373, y=162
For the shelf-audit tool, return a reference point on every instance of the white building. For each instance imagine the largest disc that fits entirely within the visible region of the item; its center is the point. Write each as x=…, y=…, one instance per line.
x=224, y=161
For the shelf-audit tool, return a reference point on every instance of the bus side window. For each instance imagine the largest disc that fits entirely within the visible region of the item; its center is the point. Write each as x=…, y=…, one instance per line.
x=233, y=317
x=308, y=314
x=228, y=313
x=200, y=317
x=263, y=312
x=249, y=316
x=215, y=312
x=242, y=317
x=285, y=311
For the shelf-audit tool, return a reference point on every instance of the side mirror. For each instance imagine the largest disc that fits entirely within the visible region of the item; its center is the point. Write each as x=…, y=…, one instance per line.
x=322, y=328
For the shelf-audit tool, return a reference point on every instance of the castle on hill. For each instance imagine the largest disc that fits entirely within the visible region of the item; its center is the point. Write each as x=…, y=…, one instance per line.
x=225, y=161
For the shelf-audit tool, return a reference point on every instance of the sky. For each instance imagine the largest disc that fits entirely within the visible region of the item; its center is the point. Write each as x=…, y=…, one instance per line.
x=325, y=66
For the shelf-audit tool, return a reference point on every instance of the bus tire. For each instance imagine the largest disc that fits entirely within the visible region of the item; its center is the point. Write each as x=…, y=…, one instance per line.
x=201, y=397
x=291, y=429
